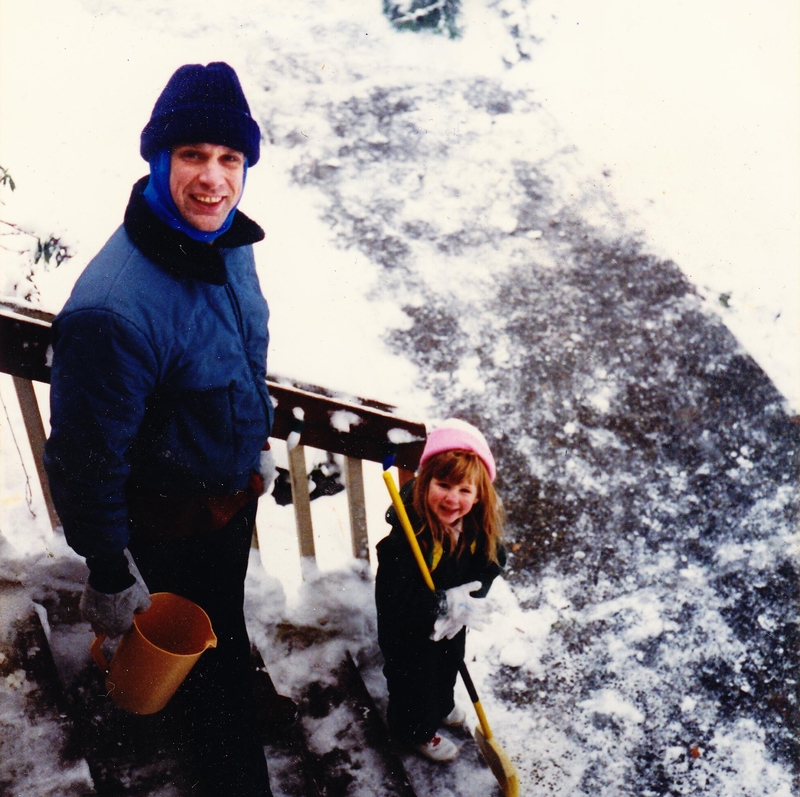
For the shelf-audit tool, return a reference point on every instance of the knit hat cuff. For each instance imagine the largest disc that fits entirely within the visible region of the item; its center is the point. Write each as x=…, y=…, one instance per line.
x=457, y=435
x=196, y=124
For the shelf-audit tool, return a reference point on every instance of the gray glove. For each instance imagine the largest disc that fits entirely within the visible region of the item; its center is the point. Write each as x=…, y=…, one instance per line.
x=462, y=609
x=112, y=614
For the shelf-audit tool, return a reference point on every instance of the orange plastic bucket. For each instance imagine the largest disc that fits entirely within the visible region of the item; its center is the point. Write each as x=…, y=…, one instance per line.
x=156, y=654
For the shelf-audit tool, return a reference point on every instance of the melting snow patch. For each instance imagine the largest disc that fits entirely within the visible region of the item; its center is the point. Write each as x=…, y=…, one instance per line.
x=767, y=623
x=469, y=374
x=553, y=591
x=601, y=400
x=515, y=654
x=343, y=420
x=609, y=702
x=693, y=573
x=580, y=474
x=744, y=765
x=603, y=438
x=673, y=753
x=16, y=680
x=399, y=436
x=643, y=616
x=527, y=631
x=294, y=436
x=503, y=218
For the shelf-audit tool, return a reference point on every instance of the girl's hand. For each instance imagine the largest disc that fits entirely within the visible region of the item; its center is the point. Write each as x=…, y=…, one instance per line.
x=462, y=609
x=445, y=628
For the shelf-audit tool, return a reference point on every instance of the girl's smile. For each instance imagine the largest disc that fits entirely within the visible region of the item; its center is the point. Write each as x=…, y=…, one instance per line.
x=451, y=502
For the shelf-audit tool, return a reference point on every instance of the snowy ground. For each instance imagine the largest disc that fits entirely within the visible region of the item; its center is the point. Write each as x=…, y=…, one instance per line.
x=436, y=240
x=689, y=114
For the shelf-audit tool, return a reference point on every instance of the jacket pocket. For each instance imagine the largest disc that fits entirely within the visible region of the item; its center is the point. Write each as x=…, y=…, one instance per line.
x=187, y=441
x=164, y=517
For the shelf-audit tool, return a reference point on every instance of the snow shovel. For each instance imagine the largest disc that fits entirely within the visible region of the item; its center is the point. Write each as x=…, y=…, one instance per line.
x=495, y=756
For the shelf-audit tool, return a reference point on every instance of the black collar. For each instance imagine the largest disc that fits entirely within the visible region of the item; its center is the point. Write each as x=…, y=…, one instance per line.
x=175, y=251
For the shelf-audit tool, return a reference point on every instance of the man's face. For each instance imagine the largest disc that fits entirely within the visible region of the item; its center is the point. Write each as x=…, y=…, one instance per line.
x=205, y=181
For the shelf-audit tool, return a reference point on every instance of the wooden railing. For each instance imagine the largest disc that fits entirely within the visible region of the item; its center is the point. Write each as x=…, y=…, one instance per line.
x=307, y=416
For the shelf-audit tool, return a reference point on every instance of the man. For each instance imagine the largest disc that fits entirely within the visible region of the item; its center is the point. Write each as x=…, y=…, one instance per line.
x=160, y=410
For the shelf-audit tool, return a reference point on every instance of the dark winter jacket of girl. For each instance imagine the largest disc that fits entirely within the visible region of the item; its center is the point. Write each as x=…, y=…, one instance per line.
x=421, y=655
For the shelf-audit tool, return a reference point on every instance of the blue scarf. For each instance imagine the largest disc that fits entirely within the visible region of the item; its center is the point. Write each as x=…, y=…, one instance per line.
x=159, y=198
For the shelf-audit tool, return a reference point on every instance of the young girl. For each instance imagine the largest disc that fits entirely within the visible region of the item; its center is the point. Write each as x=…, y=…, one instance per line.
x=455, y=513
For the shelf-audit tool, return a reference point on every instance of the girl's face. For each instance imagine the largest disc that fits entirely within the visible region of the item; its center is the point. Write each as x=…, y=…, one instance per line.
x=450, y=502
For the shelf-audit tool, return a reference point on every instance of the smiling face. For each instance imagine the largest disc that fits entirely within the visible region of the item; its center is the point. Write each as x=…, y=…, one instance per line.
x=205, y=181
x=450, y=501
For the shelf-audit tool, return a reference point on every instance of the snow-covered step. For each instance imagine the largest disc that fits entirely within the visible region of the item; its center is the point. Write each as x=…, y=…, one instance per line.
x=38, y=742
x=347, y=740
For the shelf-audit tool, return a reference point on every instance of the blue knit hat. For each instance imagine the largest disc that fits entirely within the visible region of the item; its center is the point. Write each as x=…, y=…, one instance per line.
x=202, y=104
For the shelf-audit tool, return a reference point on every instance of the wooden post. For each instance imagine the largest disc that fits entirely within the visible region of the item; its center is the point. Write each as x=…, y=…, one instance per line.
x=32, y=418
x=302, y=505
x=354, y=483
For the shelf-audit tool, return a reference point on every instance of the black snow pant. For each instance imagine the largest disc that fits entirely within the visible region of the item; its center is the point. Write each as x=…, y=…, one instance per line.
x=214, y=707
x=421, y=678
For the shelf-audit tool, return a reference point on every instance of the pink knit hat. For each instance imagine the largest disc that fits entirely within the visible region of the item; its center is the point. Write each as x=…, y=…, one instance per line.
x=454, y=434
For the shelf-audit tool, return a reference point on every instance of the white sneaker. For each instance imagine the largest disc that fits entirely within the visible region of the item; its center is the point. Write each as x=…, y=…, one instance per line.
x=456, y=717
x=438, y=749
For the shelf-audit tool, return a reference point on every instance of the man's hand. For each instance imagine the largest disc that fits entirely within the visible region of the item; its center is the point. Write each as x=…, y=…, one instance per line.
x=112, y=614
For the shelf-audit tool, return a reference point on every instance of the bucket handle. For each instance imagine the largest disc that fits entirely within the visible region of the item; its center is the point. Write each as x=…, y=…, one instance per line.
x=99, y=657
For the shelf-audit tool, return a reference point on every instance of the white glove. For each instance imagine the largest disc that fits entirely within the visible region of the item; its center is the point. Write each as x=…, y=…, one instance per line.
x=112, y=613
x=462, y=609
x=268, y=470
x=445, y=628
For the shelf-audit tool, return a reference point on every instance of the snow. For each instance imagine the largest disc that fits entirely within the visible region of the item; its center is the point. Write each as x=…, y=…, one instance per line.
x=686, y=114
x=697, y=121
x=694, y=111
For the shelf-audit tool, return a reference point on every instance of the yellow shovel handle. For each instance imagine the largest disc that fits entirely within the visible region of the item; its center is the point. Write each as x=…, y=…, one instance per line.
x=406, y=524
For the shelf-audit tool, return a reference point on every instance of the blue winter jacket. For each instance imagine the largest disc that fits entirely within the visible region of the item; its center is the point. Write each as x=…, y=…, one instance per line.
x=159, y=375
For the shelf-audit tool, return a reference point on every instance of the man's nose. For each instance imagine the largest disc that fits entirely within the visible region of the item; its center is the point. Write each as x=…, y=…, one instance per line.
x=211, y=172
